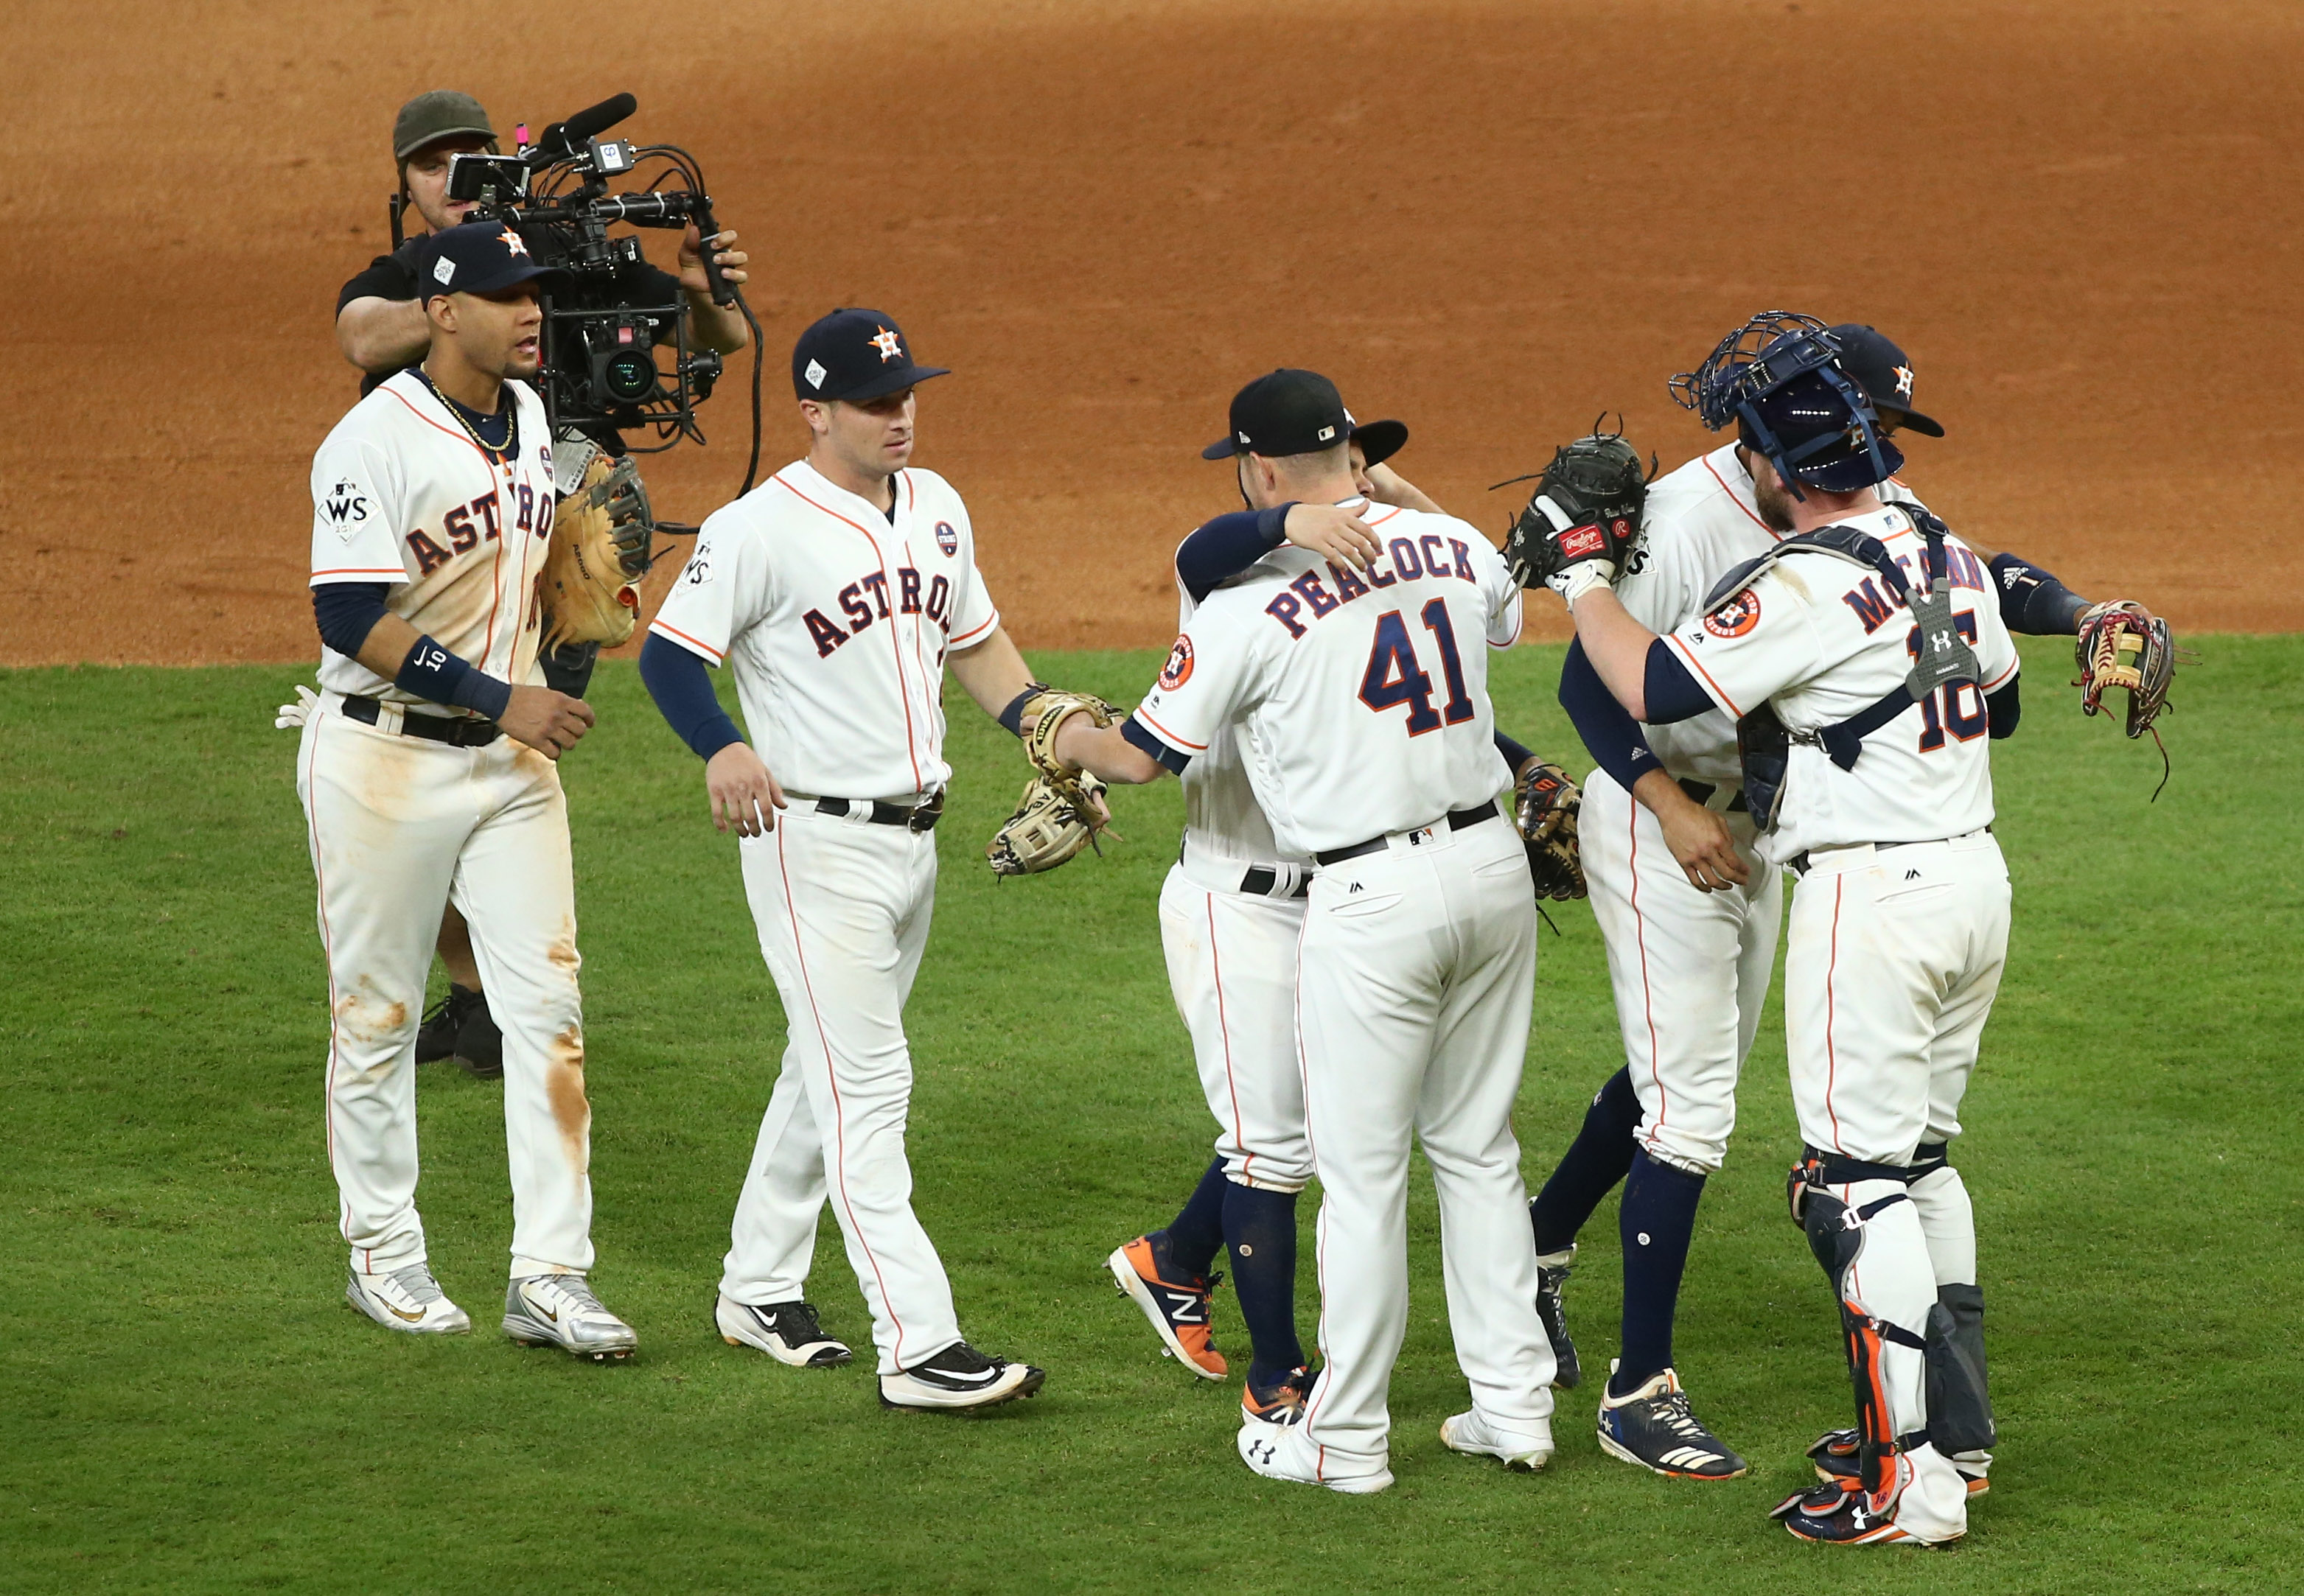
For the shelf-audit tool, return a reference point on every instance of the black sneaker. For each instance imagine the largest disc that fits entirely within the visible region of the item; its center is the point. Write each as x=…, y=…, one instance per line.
x=479, y=1044
x=1653, y=1428
x=960, y=1377
x=444, y=1022
x=787, y=1332
x=1567, y=1372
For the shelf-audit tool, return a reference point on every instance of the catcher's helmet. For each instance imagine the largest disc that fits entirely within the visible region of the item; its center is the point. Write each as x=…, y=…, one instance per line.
x=1779, y=378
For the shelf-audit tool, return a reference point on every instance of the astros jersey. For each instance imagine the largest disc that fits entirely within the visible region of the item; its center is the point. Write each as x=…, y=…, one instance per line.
x=1817, y=637
x=1702, y=522
x=1221, y=813
x=1364, y=695
x=838, y=618
x=402, y=495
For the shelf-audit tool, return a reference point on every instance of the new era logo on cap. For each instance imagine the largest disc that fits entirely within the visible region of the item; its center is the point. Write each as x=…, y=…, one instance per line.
x=1281, y=413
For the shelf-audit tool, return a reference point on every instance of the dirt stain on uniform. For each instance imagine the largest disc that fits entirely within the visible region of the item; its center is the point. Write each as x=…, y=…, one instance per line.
x=563, y=1083
x=363, y=1020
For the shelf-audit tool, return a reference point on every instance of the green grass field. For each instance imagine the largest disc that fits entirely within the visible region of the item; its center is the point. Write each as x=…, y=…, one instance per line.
x=186, y=1404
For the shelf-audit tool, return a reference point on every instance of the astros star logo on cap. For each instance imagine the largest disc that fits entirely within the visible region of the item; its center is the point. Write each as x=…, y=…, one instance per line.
x=1903, y=382
x=512, y=241
x=888, y=344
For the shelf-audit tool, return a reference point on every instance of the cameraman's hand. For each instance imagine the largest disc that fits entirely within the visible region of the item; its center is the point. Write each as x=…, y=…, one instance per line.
x=549, y=722
x=691, y=259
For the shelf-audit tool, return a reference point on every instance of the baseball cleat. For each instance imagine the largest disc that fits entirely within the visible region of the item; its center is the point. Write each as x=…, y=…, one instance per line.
x=1835, y=1515
x=786, y=1331
x=1525, y=1451
x=479, y=1043
x=559, y=1310
x=1280, y=1403
x=1837, y=1464
x=1552, y=1273
x=1653, y=1428
x=407, y=1299
x=436, y=1037
x=1177, y=1303
x=961, y=1377
x=1284, y=1452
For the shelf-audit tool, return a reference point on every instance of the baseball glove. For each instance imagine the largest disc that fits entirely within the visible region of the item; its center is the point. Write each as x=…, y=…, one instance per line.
x=1587, y=508
x=2123, y=644
x=1062, y=810
x=602, y=537
x=1546, y=804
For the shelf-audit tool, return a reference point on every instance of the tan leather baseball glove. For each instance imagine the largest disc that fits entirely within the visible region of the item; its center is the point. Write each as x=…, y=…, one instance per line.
x=602, y=536
x=1062, y=810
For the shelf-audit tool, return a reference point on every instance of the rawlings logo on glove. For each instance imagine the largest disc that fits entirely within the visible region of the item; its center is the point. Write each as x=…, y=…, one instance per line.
x=1585, y=512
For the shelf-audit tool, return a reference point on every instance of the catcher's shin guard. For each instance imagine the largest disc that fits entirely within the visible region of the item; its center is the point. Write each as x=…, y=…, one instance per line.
x=1887, y=1387
x=1960, y=1401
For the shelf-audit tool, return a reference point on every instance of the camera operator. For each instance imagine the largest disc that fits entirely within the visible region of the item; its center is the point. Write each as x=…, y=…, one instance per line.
x=381, y=327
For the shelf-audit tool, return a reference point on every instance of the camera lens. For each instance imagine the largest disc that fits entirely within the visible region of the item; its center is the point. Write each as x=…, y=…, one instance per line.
x=628, y=375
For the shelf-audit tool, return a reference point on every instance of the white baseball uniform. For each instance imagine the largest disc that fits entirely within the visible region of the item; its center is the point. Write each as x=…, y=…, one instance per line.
x=1689, y=968
x=1363, y=699
x=401, y=826
x=838, y=617
x=1899, y=921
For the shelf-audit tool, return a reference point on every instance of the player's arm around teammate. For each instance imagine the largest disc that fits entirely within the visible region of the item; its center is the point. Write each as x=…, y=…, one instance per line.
x=841, y=588
x=426, y=774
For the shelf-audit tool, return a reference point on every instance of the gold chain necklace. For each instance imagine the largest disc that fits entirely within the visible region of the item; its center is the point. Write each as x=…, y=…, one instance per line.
x=504, y=456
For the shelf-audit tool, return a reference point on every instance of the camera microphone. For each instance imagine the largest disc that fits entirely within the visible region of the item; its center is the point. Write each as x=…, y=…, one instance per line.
x=566, y=137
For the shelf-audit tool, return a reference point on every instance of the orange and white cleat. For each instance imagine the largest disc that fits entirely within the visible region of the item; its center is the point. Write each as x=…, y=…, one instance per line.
x=1175, y=1303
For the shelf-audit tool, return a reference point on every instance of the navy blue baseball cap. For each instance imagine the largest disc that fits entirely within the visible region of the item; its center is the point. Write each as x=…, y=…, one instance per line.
x=856, y=355
x=1882, y=371
x=1379, y=440
x=474, y=258
x=1285, y=413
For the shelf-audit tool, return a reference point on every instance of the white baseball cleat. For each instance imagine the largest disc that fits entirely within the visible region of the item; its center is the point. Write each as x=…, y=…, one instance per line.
x=957, y=1378
x=407, y=1299
x=559, y=1310
x=787, y=1331
x=1525, y=1450
x=1284, y=1452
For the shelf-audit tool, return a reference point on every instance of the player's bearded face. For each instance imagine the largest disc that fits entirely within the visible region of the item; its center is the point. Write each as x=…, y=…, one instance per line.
x=1775, y=504
x=428, y=181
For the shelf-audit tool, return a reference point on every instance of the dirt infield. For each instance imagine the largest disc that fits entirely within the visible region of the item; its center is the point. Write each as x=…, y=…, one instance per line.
x=2081, y=217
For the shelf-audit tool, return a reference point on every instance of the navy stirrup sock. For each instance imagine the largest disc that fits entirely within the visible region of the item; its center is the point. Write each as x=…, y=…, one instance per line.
x=1590, y=1167
x=1657, y=1218
x=1261, y=1229
x=1195, y=1234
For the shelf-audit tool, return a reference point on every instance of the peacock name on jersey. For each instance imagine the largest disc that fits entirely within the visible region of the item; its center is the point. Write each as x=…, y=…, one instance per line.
x=1408, y=559
x=866, y=602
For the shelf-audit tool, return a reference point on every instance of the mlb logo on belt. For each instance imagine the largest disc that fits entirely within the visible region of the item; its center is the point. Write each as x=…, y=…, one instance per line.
x=947, y=539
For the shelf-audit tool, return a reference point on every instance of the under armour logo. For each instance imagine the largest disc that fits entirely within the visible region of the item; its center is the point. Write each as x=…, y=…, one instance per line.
x=1941, y=642
x=1262, y=1452
x=888, y=344
x=1860, y=1518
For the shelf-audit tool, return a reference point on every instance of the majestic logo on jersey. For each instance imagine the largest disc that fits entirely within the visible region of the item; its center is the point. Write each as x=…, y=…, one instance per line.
x=1738, y=616
x=1903, y=382
x=512, y=241
x=346, y=507
x=1178, y=671
x=888, y=344
x=864, y=601
x=947, y=539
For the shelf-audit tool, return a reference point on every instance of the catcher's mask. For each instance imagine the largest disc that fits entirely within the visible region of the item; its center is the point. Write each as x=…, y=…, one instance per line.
x=1779, y=378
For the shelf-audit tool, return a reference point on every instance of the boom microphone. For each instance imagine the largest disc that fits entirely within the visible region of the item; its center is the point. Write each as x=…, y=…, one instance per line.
x=566, y=138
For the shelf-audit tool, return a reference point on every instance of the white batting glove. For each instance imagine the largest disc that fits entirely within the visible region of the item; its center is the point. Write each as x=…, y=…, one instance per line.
x=1579, y=579
x=297, y=714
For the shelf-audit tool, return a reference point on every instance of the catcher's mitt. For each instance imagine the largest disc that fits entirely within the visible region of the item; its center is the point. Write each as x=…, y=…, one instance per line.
x=603, y=535
x=1546, y=804
x=2123, y=644
x=1062, y=810
x=1587, y=508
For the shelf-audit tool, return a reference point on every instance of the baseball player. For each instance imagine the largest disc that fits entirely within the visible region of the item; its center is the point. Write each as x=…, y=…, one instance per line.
x=1690, y=928
x=426, y=776
x=1369, y=742
x=1867, y=663
x=381, y=328
x=842, y=588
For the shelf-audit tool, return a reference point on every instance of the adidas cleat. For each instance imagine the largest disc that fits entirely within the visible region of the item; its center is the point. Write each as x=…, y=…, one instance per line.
x=1653, y=1428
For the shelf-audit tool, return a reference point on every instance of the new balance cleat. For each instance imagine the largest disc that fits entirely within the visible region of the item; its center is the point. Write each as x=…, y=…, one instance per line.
x=1176, y=1304
x=1552, y=1273
x=1284, y=1452
x=406, y=1299
x=1653, y=1428
x=960, y=1377
x=559, y=1310
x=787, y=1332
x=1834, y=1455
x=1525, y=1451
x=1282, y=1404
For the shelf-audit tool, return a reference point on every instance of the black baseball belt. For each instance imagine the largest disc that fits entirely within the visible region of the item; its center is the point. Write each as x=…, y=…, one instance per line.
x=1458, y=819
x=1259, y=880
x=1703, y=792
x=458, y=731
x=919, y=817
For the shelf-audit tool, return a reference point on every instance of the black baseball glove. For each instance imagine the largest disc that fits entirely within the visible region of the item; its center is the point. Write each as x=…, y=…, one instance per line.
x=1586, y=508
x=1545, y=807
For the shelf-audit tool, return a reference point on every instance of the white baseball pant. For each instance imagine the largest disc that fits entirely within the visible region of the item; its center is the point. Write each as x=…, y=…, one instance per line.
x=397, y=828
x=1415, y=978
x=1231, y=965
x=1894, y=959
x=843, y=909
x=1689, y=969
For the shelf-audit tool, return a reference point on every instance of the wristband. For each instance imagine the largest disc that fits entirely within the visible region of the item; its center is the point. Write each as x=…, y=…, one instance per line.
x=1012, y=717
x=431, y=672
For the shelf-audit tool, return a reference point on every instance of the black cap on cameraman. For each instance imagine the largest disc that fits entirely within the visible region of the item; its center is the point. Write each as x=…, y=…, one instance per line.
x=1881, y=370
x=440, y=114
x=855, y=355
x=1286, y=412
x=1379, y=440
x=474, y=258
